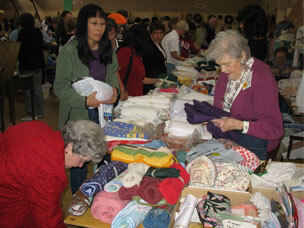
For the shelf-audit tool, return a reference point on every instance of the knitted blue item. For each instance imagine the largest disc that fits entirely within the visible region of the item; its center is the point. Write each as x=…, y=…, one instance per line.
x=157, y=218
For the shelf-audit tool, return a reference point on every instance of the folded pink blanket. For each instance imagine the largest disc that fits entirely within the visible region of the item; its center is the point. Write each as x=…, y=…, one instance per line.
x=106, y=206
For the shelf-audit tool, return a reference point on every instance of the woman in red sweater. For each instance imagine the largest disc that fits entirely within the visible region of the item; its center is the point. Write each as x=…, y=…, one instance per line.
x=33, y=159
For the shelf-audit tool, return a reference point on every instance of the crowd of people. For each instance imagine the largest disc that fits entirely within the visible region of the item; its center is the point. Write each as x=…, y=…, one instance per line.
x=129, y=57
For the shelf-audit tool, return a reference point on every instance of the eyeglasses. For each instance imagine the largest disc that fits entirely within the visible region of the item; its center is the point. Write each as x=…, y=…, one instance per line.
x=95, y=24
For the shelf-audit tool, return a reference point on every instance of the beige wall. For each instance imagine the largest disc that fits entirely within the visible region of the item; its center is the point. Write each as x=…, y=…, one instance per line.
x=52, y=7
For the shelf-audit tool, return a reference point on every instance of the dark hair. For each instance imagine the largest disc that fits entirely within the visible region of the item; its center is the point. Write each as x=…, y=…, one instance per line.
x=137, y=20
x=48, y=20
x=156, y=26
x=70, y=25
x=154, y=19
x=123, y=13
x=111, y=24
x=26, y=20
x=145, y=20
x=105, y=48
x=254, y=21
x=60, y=28
x=172, y=21
x=197, y=18
x=136, y=37
x=281, y=49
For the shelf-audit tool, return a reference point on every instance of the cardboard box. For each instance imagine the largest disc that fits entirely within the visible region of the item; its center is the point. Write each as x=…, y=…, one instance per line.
x=236, y=198
x=271, y=193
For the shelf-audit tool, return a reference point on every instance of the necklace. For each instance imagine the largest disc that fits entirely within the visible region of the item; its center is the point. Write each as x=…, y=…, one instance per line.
x=231, y=92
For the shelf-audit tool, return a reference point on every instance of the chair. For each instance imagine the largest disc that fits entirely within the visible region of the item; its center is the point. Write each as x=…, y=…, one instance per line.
x=298, y=136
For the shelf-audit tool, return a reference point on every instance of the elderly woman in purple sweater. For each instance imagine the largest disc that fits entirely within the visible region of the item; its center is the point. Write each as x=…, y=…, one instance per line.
x=247, y=89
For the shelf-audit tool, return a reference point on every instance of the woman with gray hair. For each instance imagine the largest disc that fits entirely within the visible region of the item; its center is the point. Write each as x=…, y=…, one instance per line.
x=33, y=159
x=247, y=89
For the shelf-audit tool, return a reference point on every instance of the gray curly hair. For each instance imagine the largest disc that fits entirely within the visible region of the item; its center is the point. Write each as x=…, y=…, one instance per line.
x=88, y=138
x=229, y=42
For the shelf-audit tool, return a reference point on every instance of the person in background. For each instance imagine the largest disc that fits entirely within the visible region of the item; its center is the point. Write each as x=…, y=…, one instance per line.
x=154, y=59
x=188, y=45
x=281, y=68
x=189, y=19
x=165, y=20
x=208, y=33
x=31, y=61
x=199, y=24
x=121, y=22
x=14, y=34
x=253, y=25
x=134, y=45
x=112, y=30
x=154, y=20
x=172, y=24
x=171, y=45
x=146, y=22
x=33, y=162
x=60, y=31
x=90, y=54
x=70, y=28
x=246, y=88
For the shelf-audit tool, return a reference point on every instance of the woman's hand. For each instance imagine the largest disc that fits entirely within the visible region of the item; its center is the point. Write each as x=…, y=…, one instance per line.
x=92, y=101
x=228, y=123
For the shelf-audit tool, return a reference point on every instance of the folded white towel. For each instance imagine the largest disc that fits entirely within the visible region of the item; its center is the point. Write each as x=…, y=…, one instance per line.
x=135, y=174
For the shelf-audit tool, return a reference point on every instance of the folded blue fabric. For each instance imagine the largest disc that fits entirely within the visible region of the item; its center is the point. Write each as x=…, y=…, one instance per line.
x=103, y=175
x=201, y=112
x=159, y=218
x=131, y=216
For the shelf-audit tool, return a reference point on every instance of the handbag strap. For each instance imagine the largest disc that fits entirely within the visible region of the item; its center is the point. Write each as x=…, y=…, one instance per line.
x=128, y=70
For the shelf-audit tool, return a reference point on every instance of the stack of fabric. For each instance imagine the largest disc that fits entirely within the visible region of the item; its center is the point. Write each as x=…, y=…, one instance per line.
x=149, y=108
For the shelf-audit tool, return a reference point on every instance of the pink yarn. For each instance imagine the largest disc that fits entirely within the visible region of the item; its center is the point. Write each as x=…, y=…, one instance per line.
x=106, y=206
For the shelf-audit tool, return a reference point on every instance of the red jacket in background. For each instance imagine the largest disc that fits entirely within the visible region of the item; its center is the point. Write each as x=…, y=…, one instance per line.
x=32, y=176
x=137, y=72
x=187, y=46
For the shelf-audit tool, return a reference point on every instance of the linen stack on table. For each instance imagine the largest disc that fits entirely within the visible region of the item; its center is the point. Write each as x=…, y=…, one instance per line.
x=149, y=108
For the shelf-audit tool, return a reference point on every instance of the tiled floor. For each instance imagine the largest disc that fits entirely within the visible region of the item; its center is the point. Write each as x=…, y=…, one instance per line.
x=51, y=118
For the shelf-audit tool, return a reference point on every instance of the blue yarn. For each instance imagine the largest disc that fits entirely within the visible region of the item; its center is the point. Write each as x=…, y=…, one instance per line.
x=157, y=218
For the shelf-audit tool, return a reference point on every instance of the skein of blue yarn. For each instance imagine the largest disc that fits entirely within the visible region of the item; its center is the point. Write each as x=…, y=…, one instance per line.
x=157, y=218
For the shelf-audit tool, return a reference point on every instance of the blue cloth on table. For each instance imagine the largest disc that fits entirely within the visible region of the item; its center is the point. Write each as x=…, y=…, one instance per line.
x=159, y=218
x=131, y=216
x=201, y=112
x=125, y=130
x=155, y=144
x=104, y=174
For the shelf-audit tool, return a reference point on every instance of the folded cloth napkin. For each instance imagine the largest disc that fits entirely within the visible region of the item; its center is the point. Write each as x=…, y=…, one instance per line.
x=159, y=158
x=148, y=190
x=80, y=204
x=232, y=177
x=104, y=174
x=172, y=187
x=131, y=216
x=162, y=172
x=128, y=193
x=106, y=206
x=159, y=218
x=183, y=217
x=135, y=174
x=202, y=171
x=212, y=204
x=201, y=112
x=115, y=184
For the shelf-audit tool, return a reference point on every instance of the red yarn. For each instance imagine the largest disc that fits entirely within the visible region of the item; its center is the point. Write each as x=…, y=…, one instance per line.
x=148, y=190
x=171, y=188
x=127, y=193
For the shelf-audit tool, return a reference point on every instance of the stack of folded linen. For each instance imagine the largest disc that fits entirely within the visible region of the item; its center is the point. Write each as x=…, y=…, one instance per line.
x=151, y=108
x=178, y=126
